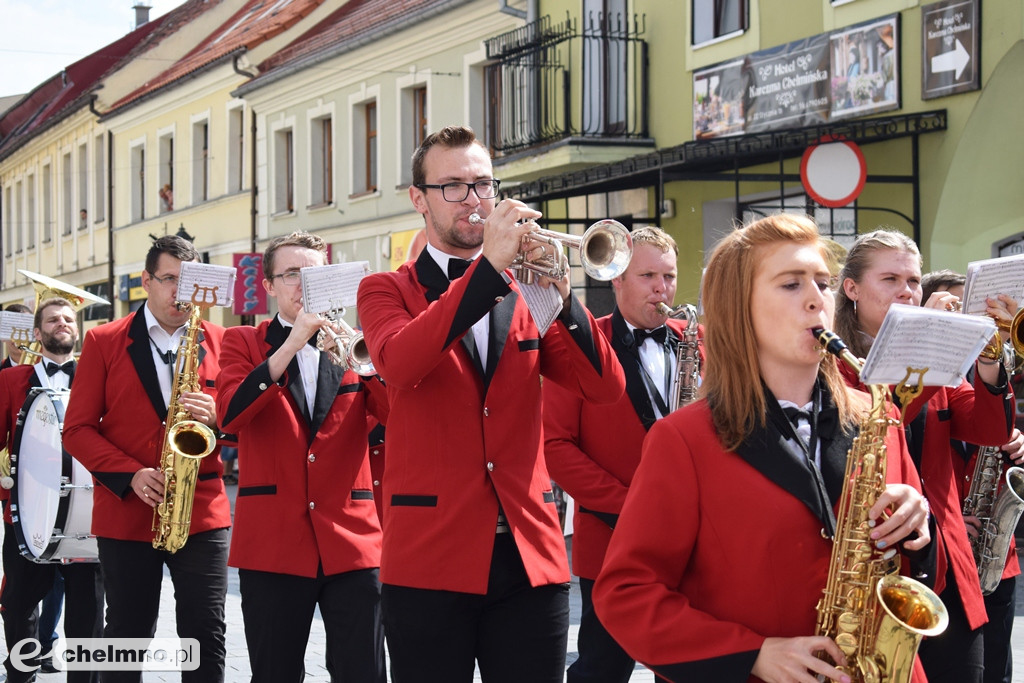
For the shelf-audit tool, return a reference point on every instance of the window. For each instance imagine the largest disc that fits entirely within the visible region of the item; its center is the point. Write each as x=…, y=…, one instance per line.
x=364, y=148
x=322, y=157
x=19, y=224
x=83, y=184
x=236, y=148
x=100, y=179
x=414, y=127
x=200, y=161
x=606, y=67
x=67, y=201
x=716, y=18
x=284, y=172
x=30, y=210
x=138, y=182
x=8, y=221
x=165, y=172
x=47, y=203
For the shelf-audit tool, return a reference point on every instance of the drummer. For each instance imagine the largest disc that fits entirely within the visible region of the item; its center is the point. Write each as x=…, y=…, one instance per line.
x=26, y=582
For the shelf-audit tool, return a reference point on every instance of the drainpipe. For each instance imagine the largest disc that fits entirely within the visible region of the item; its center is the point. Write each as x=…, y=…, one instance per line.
x=529, y=15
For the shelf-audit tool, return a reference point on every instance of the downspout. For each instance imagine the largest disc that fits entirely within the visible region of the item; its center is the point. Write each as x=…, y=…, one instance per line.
x=529, y=15
x=110, y=210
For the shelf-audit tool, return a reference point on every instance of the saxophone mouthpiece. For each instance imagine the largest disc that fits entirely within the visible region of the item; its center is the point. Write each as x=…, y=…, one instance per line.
x=830, y=340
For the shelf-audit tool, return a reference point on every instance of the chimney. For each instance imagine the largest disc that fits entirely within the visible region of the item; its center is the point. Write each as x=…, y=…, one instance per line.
x=141, y=13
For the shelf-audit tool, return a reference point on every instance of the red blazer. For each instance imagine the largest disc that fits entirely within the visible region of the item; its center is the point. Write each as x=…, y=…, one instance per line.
x=5, y=494
x=716, y=551
x=966, y=413
x=114, y=425
x=592, y=450
x=305, y=497
x=461, y=438
x=14, y=387
x=377, y=451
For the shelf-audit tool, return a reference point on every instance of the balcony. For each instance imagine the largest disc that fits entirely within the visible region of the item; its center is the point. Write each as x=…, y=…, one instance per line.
x=546, y=83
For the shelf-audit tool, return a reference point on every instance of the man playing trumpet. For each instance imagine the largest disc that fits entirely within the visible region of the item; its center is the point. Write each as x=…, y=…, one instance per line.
x=473, y=565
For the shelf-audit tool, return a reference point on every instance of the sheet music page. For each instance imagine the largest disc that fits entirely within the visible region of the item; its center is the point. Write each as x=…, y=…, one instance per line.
x=544, y=303
x=16, y=326
x=944, y=343
x=993, y=276
x=332, y=287
x=206, y=284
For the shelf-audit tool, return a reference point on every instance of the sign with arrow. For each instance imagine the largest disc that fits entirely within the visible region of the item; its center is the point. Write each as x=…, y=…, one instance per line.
x=950, y=47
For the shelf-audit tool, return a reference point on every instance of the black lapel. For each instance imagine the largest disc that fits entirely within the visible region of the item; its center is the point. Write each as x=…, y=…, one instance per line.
x=835, y=446
x=142, y=358
x=33, y=381
x=500, y=323
x=202, y=349
x=328, y=380
x=276, y=334
x=765, y=450
x=430, y=276
x=629, y=358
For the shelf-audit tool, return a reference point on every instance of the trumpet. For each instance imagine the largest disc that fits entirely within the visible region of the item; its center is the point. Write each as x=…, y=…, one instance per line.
x=347, y=349
x=605, y=251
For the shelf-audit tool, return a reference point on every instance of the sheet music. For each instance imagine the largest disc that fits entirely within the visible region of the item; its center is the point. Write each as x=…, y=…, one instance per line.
x=544, y=303
x=944, y=343
x=16, y=327
x=206, y=284
x=331, y=287
x=990, y=277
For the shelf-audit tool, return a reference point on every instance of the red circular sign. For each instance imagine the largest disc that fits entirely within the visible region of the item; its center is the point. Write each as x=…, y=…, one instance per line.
x=833, y=171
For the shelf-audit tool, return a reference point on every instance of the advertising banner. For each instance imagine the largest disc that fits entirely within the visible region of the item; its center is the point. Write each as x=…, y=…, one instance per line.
x=250, y=297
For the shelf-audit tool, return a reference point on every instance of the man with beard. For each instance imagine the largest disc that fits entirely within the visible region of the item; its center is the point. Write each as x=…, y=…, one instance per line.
x=26, y=583
x=473, y=565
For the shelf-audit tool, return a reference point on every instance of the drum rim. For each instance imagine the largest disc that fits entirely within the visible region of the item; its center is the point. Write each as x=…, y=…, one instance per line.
x=64, y=504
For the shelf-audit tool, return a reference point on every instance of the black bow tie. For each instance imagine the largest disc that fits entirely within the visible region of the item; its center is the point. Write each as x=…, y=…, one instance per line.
x=53, y=368
x=795, y=414
x=658, y=335
x=457, y=267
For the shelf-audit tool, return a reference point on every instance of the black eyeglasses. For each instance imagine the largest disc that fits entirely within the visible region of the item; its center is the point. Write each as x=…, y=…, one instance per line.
x=165, y=280
x=457, y=192
x=289, y=277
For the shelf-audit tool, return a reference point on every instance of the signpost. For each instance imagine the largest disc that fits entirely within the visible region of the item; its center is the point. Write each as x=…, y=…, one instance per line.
x=950, y=48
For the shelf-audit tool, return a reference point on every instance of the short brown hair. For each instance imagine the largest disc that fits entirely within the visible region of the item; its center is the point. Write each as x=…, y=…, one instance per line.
x=37, y=321
x=940, y=281
x=299, y=238
x=656, y=237
x=172, y=245
x=448, y=137
x=18, y=308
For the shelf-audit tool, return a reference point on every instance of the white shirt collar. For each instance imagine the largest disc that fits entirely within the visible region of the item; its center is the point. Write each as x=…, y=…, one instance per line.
x=441, y=258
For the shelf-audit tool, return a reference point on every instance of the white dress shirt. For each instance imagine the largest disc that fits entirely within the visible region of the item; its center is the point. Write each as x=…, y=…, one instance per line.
x=160, y=342
x=309, y=367
x=481, y=328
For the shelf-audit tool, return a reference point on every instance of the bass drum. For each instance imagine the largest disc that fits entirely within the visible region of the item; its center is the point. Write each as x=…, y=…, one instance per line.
x=51, y=502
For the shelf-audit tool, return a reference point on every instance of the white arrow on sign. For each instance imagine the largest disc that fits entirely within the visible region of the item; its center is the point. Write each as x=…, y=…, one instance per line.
x=954, y=60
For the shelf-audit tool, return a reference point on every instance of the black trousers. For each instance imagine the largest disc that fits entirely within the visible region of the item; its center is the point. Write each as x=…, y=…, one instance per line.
x=957, y=655
x=132, y=574
x=26, y=583
x=601, y=660
x=515, y=632
x=278, y=611
x=1000, y=606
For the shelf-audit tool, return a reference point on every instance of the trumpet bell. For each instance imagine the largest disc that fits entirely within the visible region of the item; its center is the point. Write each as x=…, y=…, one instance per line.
x=606, y=249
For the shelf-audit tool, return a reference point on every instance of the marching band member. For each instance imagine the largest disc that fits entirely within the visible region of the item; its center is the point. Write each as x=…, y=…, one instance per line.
x=473, y=564
x=999, y=604
x=593, y=450
x=718, y=560
x=306, y=529
x=882, y=268
x=13, y=352
x=115, y=427
x=25, y=581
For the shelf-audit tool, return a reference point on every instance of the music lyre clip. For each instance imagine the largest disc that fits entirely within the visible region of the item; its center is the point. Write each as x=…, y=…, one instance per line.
x=907, y=392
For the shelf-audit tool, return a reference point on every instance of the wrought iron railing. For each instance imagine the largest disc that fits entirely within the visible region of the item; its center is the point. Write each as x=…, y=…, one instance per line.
x=549, y=82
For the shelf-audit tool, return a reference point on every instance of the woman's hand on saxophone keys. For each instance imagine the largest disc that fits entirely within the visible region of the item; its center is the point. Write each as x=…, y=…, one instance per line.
x=148, y=485
x=795, y=660
x=909, y=516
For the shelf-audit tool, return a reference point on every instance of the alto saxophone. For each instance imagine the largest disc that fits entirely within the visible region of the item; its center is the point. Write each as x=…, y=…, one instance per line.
x=186, y=443
x=998, y=509
x=687, y=379
x=875, y=616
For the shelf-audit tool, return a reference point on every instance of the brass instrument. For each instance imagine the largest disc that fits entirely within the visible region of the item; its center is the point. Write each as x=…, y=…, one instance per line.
x=45, y=288
x=994, y=349
x=875, y=616
x=349, y=349
x=186, y=443
x=998, y=508
x=605, y=250
x=687, y=379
